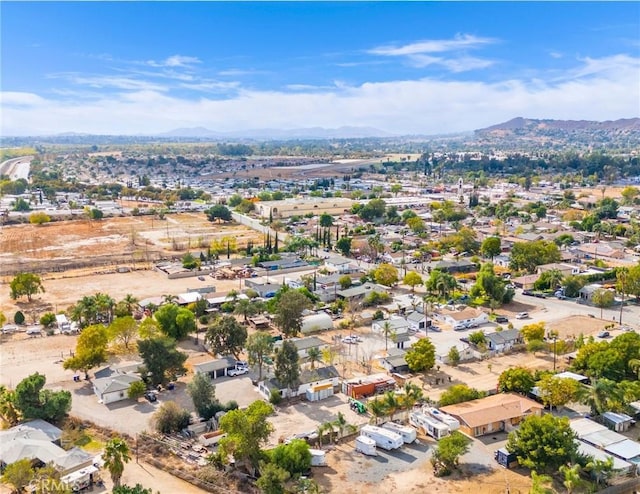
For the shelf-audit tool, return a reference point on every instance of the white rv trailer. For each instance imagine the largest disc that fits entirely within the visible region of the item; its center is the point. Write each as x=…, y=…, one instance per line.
x=408, y=433
x=318, y=458
x=366, y=445
x=384, y=438
x=453, y=423
x=429, y=425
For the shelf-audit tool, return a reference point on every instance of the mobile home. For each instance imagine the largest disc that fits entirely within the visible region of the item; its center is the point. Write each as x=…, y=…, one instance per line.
x=408, y=433
x=429, y=425
x=384, y=438
x=366, y=445
x=446, y=419
x=318, y=458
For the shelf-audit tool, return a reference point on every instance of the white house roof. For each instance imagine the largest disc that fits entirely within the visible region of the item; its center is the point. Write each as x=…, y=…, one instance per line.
x=115, y=383
x=189, y=297
x=598, y=454
x=626, y=449
x=604, y=438
x=571, y=375
x=583, y=427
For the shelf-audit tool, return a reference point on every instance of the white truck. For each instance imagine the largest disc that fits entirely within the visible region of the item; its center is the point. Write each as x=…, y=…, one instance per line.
x=429, y=425
x=366, y=446
x=446, y=419
x=408, y=433
x=384, y=438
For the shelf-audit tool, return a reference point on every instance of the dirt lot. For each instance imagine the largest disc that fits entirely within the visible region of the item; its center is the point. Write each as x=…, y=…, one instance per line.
x=124, y=241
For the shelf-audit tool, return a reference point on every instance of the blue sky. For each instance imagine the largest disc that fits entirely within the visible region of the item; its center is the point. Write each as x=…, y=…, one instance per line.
x=405, y=68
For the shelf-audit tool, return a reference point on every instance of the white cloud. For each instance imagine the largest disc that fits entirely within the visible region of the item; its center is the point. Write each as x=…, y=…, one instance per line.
x=459, y=42
x=116, y=82
x=175, y=61
x=597, y=89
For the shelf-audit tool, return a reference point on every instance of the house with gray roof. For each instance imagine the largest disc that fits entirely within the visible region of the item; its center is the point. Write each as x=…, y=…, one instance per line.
x=215, y=368
x=503, y=340
x=314, y=384
x=114, y=388
x=303, y=345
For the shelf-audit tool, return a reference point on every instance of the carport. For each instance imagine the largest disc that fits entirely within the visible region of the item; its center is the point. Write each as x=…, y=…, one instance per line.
x=215, y=368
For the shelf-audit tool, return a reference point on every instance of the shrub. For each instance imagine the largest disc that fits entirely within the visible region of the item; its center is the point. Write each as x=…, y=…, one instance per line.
x=275, y=397
x=18, y=318
x=231, y=405
x=170, y=417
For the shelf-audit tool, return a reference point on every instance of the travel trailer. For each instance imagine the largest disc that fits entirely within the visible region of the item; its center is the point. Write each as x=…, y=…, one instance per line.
x=408, y=433
x=453, y=423
x=384, y=438
x=429, y=425
x=366, y=446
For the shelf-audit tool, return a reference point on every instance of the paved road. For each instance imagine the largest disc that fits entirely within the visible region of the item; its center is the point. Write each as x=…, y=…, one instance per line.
x=16, y=168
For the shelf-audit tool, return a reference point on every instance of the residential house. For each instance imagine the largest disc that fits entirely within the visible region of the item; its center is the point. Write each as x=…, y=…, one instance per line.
x=467, y=316
x=585, y=294
x=501, y=341
x=617, y=422
x=338, y=264
x=499, y=412
x=417, y=321
x=614, y=443
x=526, y=281
x=453, y=267
x=215, y=368
x=284, y=263
x=398, y=326
x=111, y=385
x=39, y=442
x=314, y=384
x=394, y=361
x=359, y=293
x=565, y=269
x=335, y=206
x=598, y=250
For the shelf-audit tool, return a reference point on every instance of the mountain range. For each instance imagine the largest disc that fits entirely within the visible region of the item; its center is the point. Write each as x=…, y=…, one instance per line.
x=532, y=125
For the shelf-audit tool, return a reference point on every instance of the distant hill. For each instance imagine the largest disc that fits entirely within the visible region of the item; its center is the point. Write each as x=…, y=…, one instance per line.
x=533, y=125
x=527, y=133
x=301, y=133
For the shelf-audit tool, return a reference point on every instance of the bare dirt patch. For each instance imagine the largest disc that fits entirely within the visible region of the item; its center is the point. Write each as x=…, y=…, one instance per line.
x=572, y=327
x=123, y=240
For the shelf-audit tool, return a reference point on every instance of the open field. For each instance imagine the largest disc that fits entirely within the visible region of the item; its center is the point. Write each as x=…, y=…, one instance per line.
x=112, y=241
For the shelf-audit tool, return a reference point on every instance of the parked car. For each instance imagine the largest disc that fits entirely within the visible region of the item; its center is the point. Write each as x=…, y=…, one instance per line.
x=522, y=315
x=539, y=295
x=435, y=328
x=201, y=278
x=501, y=319
x=604, y=334
x=351, y=339
x=151, y=396
x=238, y=371
x=527, y=292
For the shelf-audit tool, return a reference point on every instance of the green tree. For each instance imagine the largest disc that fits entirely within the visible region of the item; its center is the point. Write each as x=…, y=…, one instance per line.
x=345, y=281
x=136, y=390
x=9, y=412
x=557, y=392
x=489, y=286
x=629, y=194
x=34, y=402
x=259, y=347
x=294, y=457
x=115, y=455
x=190, y=262
x=543, y=443
x=446, y=455
x=602, y=299
x=25, y=284
x=421, y=356
x=123, y=329
x=343, y=244
x=247, y=430
x=459, y=393
x=272, y=479
x=218, y=212
x=21, y=205
x=601, y=396
x=385, y=274
x=416, y=224
x=289, y=312
x=161, y=358
x=441, y=283
x=175, y=322
x=203, y=395
x=454, y=356
x=226, y=336
x=516, y=380
x=491, y=247
x=533, y=331
x=571, y=476
x=48, y=319
x=246, y=307
x=286, y=368
x=91, y=350
x=541, y=483
x=170, y=417
x=528, y=256
x=18, y=474
x=412, y=279
x=136, y=489
x=602, y=470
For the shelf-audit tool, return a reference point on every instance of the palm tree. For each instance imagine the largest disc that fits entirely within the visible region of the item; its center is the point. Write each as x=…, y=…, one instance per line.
x=571, y=476
x=115, y=455
x=314, y=355
x=341, y=424
x=130, y=302
x=387, y=330
x=412, y=395
x=540, y=483
x=554, y=277
x=377, y=409
x=599, y=395
x=245, y=308
x=169, y=299
x=105, y=305
x=391, y=403
x=601, y=469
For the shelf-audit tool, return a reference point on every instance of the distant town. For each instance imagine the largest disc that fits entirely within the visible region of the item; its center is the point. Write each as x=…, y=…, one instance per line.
x=319, y=313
